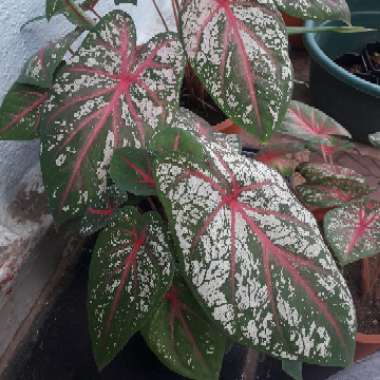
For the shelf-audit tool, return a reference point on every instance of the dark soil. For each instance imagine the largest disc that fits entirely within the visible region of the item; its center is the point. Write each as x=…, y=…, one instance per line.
x=367, y=308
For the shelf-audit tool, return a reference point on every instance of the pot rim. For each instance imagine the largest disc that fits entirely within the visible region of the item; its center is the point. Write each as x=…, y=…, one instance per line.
x=368, y=338
x=334, y=69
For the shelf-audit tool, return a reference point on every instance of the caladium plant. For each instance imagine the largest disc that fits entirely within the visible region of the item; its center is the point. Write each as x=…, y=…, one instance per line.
x=197, y=245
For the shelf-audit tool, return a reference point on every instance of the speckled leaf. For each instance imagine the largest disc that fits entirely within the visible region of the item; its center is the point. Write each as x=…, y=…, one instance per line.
x=98, y=216
x=310, y=124
x=353, y=231
x=112, y=94
x=316, y=173
x=182, y=337
x=255, y=258
x=131, y=270
x=374, y=139
x=20, y=113
x=336, y=193
x=245, y=69
x=39, y=70
x=315, y=9
x=131, y=170
x=232, y=141
x=72, y=9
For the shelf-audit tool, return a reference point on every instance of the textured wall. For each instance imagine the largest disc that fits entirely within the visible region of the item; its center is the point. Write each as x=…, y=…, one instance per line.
x=15, y=46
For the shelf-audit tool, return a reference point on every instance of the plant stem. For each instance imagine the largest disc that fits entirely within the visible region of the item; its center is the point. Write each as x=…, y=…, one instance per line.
x=175, y=7
x=77, y=9
x=161, y=16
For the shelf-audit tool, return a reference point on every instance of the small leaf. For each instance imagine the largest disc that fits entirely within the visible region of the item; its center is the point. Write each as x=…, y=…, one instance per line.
x=310, y=124
x=20, y=113
x=244, y=68
x=353, y=231
x=255, y=259
x=99, y=216
x=315, y=9
x=72, y=9
x=316, y=173
x=131, y=270
x=293, y=369
x=131, y=170
x=177, y=140
x=183, y=338
x=112, y=94
x=374, y=139
x=39, y=70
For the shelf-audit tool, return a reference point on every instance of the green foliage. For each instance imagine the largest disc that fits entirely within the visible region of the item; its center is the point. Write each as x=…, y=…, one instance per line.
x=169, y=195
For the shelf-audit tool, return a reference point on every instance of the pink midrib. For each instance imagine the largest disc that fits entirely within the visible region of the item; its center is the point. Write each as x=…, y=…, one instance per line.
x=146, y=177
x=25, y=112
x=130, y=261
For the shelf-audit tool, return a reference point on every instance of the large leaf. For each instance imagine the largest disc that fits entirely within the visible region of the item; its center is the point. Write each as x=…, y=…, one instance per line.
x=182, y=337
x=315, y=9
x=39, y=70
x=245, y=68
x=113, y=94
x=353, y=231
x=20, y=113
x=310, y=124
x=130, y=272
x=255, y=258
x=74, y=10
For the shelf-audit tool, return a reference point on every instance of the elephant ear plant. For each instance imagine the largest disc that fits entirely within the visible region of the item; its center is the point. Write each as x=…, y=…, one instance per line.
x=197, y=245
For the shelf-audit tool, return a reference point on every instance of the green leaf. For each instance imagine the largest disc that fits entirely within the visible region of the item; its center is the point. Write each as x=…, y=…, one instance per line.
x=374, y=139
x=131, y=170
x=98, y=216
x=330, y=185
x=72, y=9
x=131, y=270
x=316, y=173
x=293, y=369
x=255, y=259
x=183, y=338
x=111, y=95
x=353, y=231
x=244, y=68
x=315, y=9
x=20, y=113
x=39, y=70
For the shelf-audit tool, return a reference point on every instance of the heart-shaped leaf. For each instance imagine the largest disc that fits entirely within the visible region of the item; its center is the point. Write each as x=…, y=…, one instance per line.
x=316, y=173
x=255, y=257
x=374, y=139
x=39, y=70
x=330, y=195
x=293, y=369
x=20, y=113
x=130, y=272
x=112, y=94
x=315, y=9
x=353, y=231
x=132, y=171
x=183, y=338
x=245, y=69
x=310, y=124
x=74, y=10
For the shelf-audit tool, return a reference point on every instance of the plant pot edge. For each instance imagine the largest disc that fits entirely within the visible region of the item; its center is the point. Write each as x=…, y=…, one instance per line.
x=366, y=344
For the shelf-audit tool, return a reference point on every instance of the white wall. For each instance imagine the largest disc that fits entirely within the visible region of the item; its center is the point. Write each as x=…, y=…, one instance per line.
x=16, y=47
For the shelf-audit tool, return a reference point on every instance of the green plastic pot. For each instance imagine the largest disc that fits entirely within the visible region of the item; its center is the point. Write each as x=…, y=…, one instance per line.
x=352, y=101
